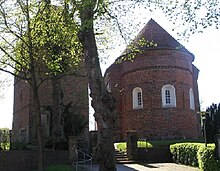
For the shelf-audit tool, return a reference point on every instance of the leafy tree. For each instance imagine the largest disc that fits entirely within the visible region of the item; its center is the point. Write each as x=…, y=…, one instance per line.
x=212, y=122
x=17, y=53
x=92, y=12
x=55, y=35
x=37, y=44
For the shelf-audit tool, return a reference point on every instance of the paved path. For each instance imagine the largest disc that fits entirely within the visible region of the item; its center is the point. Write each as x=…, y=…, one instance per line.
x=151, y=167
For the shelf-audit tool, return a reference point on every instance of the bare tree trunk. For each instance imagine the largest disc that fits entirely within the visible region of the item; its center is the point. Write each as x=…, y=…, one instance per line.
x=57, y=125
x=36, y=101
x=37, y=111
x=102, y=101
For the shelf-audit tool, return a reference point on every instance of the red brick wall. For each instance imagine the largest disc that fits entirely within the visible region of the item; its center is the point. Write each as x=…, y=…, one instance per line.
x=21, y=107
x=75, y=90
x=151, y=71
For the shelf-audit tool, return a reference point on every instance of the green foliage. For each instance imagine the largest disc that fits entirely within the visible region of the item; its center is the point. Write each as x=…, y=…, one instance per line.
x=153, y=144
x=192, y=16
x=135, y=48
x=195, y=154
x=4, y=139
x=54, y=41
x=185, y=153
x=74, y=123
x=60, y=168
x=167, y=143
x=207, y=160
x=212, y=122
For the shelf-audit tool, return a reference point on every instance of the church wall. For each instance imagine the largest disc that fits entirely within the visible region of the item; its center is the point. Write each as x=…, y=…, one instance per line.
x=151, y=71
x=21, y=111
x=75, y=90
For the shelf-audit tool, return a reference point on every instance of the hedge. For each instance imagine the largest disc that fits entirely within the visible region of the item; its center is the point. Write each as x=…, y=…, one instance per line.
x=185, y=153
x=195, y=154
x=207, y=160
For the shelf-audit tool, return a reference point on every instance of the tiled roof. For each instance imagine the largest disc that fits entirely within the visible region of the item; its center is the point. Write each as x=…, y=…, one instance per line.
x=160, y=38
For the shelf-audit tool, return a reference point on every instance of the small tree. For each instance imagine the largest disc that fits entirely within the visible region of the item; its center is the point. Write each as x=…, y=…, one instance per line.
x=36, y=45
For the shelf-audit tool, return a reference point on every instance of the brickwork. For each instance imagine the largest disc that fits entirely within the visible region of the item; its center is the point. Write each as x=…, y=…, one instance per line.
x=150, y=71
x=74, y=89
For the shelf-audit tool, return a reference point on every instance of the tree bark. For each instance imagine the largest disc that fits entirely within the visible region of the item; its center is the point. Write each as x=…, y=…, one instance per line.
x=37, y=112
x=35, y=89
x=57, y=125
x=36, y=109
x=102, y=101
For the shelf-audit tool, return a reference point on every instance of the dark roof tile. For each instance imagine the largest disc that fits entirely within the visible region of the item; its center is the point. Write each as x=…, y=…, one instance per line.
x=153, y=32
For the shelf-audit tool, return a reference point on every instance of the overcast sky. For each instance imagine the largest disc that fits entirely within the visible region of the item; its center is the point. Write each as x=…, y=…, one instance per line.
x=205, y=47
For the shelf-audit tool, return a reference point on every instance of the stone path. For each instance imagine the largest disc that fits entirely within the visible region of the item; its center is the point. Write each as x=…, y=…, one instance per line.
x=151, y=167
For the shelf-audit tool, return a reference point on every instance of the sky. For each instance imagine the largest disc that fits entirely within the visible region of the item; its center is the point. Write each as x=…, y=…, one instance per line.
x=205, y=46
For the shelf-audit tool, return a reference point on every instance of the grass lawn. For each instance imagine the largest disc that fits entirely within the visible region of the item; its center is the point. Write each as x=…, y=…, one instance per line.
x=154, y=144
x=60, y=168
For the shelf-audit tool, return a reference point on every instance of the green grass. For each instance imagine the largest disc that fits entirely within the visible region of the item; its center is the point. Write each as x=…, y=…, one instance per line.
x=167, y=143
x=60, y=168
x=153, y=144
x=141, y=144
x=121, y=146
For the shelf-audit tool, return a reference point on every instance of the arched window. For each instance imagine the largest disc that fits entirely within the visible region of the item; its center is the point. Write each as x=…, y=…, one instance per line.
x=137, y=98
x=191, y=99
x=168, y=96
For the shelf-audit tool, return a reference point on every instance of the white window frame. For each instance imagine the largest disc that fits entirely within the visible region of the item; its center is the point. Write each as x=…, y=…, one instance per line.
x=137, y=98
x=191, y=99
x=168, y=94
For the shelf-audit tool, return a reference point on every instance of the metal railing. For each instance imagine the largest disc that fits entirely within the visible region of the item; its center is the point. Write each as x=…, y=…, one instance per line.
x=85, y=161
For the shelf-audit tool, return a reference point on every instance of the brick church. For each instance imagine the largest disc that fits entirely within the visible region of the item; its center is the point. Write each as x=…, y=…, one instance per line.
x=156, y=92
x=75, y=92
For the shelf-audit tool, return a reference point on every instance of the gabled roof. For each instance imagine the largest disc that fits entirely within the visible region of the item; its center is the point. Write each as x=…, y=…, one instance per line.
x=153, y=32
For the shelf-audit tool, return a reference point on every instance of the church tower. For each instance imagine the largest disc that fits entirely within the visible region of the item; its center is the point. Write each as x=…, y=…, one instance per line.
x=156, y=92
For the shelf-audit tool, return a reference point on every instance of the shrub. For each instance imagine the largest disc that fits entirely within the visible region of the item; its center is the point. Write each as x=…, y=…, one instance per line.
x=195, y=154
x=185, y=153
x=207, y=160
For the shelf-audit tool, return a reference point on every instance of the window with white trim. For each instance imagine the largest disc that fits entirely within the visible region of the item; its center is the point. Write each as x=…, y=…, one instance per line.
x=191, y=99
x=137, y=98
x=168, y=96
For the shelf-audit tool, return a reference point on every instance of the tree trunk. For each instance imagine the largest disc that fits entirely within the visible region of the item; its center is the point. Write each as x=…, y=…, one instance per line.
x=36, y=101
x=102, y=101
x=37, y=112
x=57, y=120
